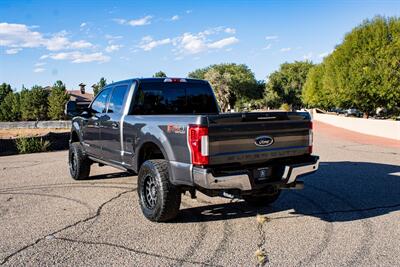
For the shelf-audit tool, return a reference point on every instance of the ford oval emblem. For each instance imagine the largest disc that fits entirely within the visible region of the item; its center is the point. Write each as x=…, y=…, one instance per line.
x=264, y=141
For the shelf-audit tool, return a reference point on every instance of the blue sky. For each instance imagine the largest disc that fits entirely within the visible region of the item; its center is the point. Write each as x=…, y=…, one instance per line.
x=81, y=41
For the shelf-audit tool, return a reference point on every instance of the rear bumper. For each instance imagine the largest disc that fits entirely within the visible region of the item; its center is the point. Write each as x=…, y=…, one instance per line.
x=204, y=178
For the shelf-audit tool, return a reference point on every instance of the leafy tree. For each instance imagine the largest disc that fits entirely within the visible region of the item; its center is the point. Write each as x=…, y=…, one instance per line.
x=57, y=99
x=10, y=107
x=102, y=83
x=159, y=74
x=220, y=83
x=242, y=84
x=363, y=72
x=366, y=66
x=314, y=93
x=34, y=103
x=5, y=89
x=286, y=84
x=199, y=73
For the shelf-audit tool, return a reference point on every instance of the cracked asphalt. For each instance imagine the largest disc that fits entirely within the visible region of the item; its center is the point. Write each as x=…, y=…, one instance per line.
x=347, y=215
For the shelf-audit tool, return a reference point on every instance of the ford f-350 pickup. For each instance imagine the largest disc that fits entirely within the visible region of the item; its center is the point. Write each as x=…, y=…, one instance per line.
x=171, y=133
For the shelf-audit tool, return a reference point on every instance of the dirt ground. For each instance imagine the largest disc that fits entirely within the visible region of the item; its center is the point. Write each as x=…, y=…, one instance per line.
x=14, y=133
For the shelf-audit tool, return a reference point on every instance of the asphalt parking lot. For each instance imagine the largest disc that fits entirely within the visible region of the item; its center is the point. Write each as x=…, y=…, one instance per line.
x=348, y=215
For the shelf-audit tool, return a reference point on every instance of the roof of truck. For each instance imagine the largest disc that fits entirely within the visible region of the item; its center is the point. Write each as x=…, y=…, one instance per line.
x=148, y=80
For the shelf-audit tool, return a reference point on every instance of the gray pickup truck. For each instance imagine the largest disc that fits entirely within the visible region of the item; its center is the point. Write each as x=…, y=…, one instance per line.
x=171, y=133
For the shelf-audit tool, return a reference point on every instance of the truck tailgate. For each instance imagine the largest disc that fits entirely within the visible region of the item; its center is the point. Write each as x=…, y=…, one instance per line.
x=251, y=138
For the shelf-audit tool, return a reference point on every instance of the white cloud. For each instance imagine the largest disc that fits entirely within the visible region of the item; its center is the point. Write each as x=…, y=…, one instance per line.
x=192, y=44
x=120, y=21
x=286, y=49
x=112, y=37
x=78, y=57
x=267, y=47
x=230, y=30
x=13, y=51
x=112, y=48
x=189, y=43
x=148, y=43
x=37, y=70
x=223, y=42
x=176, y=17
x=271, y=37
x=83, y=24
x=188, y=11
x=21, y=36
x=308, y=56
x=135, y=22
x=40, y=64
x=322, y=55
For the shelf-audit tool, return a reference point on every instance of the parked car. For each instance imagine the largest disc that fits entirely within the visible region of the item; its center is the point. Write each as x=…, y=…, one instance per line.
x=352, y=112
x=171, y=133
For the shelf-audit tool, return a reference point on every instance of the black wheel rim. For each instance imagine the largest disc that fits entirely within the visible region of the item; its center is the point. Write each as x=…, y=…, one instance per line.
x=150, y=192
x=73, y=162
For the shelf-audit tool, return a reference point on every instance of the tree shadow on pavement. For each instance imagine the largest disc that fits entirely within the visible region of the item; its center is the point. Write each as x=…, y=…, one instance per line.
x=337, y=192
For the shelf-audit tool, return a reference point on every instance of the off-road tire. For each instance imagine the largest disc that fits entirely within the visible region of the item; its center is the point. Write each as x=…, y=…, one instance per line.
x=264, y=200
x=165, y=205
x=78, y=163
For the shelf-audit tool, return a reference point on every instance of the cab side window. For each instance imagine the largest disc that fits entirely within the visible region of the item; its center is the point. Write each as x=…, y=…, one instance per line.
x=117, y=99
x=99, y=105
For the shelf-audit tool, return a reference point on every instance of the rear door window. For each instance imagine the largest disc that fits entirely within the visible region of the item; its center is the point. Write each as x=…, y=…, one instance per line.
x=117, y=99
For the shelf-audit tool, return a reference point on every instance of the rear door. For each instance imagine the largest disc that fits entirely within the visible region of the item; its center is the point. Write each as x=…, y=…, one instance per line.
x=111, y=125
x=91, y=131
x=247, y=138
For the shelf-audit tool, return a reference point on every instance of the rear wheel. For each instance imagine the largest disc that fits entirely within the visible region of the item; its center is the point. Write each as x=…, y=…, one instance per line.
x=79, y=163
x=262, y=200
x=159, y=199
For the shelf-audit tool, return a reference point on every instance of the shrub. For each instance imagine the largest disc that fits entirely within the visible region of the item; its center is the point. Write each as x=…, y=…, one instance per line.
x=285, y=107
x=31, y=145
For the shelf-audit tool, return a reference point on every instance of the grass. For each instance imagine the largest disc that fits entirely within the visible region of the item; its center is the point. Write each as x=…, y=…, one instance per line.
x=16, y=133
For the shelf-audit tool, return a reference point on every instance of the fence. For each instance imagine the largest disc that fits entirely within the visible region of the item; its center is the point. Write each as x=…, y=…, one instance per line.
x=35, y=125
x=382, y=128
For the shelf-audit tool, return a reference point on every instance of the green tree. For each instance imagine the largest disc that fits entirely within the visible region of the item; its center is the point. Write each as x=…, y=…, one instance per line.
x=97, y=88
x=10, y=107
x=286, y=84
x=315, y=94
x=57, y=99
x=242, y=84
x=5, y=89
x=199, y=73
x=220, y=84
x=364, y=70
x=34, y=103
x=159, y=74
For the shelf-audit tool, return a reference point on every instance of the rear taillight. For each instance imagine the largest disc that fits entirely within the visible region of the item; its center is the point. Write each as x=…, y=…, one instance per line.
x=310, y=138
x=198, y=143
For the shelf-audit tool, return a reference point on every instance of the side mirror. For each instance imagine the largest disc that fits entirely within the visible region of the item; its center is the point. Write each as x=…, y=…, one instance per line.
x=71, y=109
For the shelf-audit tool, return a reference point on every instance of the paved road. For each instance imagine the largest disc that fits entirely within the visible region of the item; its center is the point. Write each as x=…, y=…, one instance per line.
x=348, y=214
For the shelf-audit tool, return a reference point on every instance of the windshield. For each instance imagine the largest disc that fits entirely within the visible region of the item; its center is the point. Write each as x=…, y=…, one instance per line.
x=174, y=98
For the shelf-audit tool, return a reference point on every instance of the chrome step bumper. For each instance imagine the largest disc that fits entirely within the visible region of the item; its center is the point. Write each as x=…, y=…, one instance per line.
x=205, y=179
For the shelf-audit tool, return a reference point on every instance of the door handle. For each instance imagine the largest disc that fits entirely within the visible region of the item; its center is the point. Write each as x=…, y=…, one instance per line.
x=114, y=125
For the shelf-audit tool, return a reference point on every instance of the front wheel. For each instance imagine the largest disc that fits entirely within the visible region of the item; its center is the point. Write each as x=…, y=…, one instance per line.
x=79, y=163
x=159, y=199
x=262, y=200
